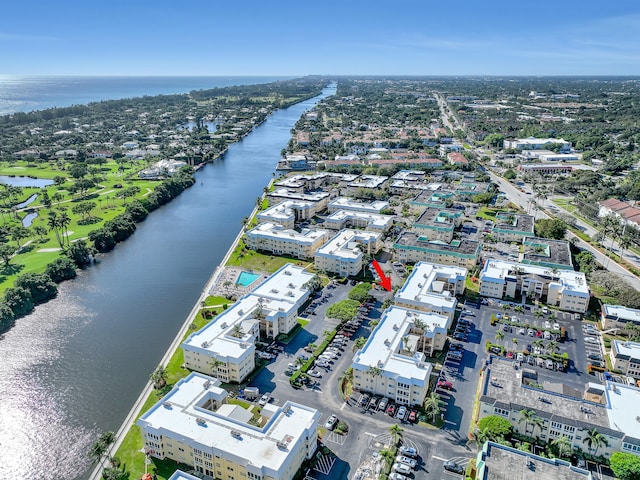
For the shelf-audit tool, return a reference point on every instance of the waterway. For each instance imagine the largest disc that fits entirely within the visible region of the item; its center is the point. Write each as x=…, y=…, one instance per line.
x=73, y=368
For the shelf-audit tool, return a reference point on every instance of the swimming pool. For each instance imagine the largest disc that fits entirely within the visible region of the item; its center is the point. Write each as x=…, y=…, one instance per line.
x=246, y=278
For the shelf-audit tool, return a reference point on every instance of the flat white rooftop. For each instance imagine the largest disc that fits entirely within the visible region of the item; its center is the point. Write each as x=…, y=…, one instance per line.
x=178, y=412
x=425, y=284
x=630, y=349
x=623, y=408
x=345, y=244
x=574, y=281
x=288, y=193
x=374, y=220
x=368, y=181
x=284, y=210
x=385, y=342
x=272, y=230
x=623, y=313
x=345, y=203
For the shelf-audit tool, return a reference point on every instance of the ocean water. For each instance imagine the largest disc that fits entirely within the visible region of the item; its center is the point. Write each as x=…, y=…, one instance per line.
x=28, y=93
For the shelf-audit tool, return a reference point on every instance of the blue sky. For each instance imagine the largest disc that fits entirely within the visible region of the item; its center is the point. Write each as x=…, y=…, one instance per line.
x=351, y=37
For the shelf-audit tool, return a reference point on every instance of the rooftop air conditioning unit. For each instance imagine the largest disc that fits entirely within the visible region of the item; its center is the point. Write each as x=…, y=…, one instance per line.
x=206, y=384
x=201, y=421
x=167, y=404
x=235, y=433
x=204, y=344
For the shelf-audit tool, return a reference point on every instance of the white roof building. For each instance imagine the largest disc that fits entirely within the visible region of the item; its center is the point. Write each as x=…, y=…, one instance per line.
x=392, y=362
x=618, y=316
x=285, y=241
x=229, y=339
x=533, y=143
x=288, y=212
x=195, y=425
x=370, y=221
x=432, y=288
x=345, y=203
x=565, y=289
x=343, y=254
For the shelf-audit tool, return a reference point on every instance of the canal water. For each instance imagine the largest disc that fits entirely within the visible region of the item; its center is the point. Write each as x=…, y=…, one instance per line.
x=73, y=368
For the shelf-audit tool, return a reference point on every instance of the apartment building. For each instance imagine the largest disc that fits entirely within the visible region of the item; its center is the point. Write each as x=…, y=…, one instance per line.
x=512, y=227
x=274, y=238
x=369, y=221
x=413, y=248
x=432, y=288
x=195, y=425
x=283, y=194
x=625, y=357
x=288, y=213
x=344, y=254
x=617, y=316
x=225, y=347
x=561, y=410
x=434, y=197
x=352, y=205
x=544, y=252
x=533, y=143
x=371, y=183
x=568, y=290
x=438, y=224
x=392, y=361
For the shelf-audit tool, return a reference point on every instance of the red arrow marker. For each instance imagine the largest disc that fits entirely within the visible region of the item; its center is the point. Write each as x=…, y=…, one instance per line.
x=385, y=281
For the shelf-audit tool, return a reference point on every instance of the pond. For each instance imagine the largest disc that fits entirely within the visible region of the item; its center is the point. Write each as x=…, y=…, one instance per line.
x=27, y=201
x=25, y=181
x=29, y=218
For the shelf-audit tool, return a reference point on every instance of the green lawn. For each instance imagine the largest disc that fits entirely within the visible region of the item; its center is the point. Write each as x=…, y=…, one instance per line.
x=252, y=260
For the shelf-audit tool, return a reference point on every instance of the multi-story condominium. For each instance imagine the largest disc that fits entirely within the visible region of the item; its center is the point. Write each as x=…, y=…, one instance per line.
x=195, y=425
x=499, y=461
x=438, y=224
x=617, y=316
x=532, y=143
x=546, y=168
x=625, y=212
x=561, y=410
x=625, y=357
x=565, y=289
x=373, y=222
x=392, y=362
x=344, y=253
x=467, y=189
x=225, y=347
x=288, y=213
x=283, y=194
x=433, y=197
x=547, y=253
x=373, y=183
x=432, y=288
x=309, y=182
x=180, y=475
x=512, y=227
x=269, y=237
x=413, y=248
x=351, y=205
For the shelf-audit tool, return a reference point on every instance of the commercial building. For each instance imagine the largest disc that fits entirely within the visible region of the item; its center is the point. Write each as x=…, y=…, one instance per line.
x=512, y=227
x=547, y=253
x=625, y=357
x=432, y=288
x=344, y=253
x=370, y=221
x=499, y=462
x=560, y=410
x=438, y=224
x=413, y=248
x=195, y=425
x=288, y=213
x=351, y=205
x=617, y=316
x=565, y=289
x=225, y=347
x=532, y=143
x=270, y=237
x=392, y=361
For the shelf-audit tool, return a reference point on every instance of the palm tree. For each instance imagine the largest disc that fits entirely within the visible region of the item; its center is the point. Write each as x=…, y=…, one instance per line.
x=396, y=432
x=358, y=343
x=374, y=371
x=481, y=437
x=499, y=336
x=563, y=444
x=552, y=346
x=101, y=446
x=236, y=331
x=432, y=405
x=595, y=440
x=526, y=416
x=214, y=363
x=53, y=224
x=64, y=221
x=388, y=456
x=159, y=377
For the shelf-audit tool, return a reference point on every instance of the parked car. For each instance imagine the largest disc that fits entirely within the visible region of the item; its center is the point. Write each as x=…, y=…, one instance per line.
x=456, y=347
x=391, y=410
x=402, y=412
x=453, y=467
x=445, y=384
x=595, y=356
x=314, y=373
x=383, y=403
x=408, y=451
x=407, y=461
x=264, y=399
x=402, y=468
x=413, y=416
x=331, y=422
x=590, y=339
x=461, y=337
x=364, y=401
x=397, y=476
x=323, y=364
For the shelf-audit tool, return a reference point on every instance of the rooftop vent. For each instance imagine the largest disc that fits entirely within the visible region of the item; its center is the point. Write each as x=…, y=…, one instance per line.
x=167, y=404
x=201, y=421
x=287, y=272
x=206, y=384
x=204, y=344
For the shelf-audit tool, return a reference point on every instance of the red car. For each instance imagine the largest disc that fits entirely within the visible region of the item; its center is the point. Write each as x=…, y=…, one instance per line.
x=391, y=410
x=509, y=355
x=413, y=416
x=444, y=384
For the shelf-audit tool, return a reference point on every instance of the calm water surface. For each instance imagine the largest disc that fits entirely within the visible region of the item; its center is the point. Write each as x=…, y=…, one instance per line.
x=74, y=367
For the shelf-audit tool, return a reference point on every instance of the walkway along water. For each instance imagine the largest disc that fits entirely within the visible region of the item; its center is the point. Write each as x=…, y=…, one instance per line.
x=74, y=367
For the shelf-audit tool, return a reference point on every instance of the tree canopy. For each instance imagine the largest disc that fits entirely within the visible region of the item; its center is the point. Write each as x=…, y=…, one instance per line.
x=360, y=292
x=625, y=466
x=344, y=310
x=495, y=426
x=550, y=228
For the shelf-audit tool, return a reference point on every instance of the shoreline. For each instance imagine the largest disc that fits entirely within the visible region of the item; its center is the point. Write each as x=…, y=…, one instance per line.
x=135, y=411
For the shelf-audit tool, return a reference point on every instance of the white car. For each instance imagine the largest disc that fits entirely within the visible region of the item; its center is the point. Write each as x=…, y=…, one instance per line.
x=406, y=460
x=591, y=339
x=331, y=422
x=264, y=399
x=402, y=468
x=314, y=373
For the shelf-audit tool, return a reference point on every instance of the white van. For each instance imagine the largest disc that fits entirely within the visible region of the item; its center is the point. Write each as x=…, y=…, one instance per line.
x=631, y=381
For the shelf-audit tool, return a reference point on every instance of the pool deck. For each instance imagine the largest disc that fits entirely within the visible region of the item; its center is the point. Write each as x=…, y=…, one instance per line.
x=226, y=286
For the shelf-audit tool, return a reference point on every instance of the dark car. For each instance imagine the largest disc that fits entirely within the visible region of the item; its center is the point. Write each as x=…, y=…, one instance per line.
x=456, y=346
x=461, y=337
x=453, y=467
